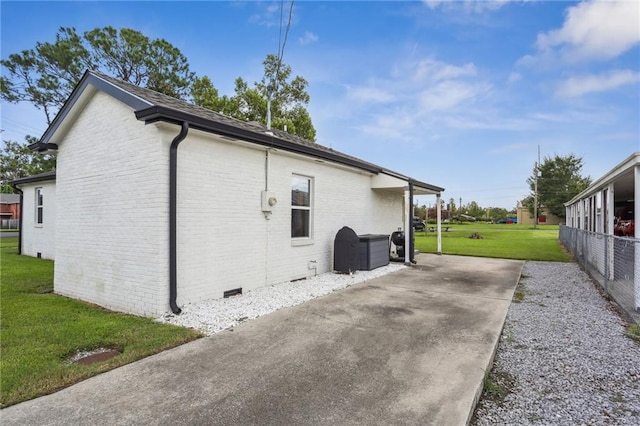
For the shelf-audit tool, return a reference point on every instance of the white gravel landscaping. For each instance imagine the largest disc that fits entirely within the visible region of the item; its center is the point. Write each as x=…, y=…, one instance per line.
x=215, y=315
x=563, y=358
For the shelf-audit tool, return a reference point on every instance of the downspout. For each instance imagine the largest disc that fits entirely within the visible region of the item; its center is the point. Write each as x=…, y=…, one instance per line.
x=412, y=251
x=173, y=215
x=19, y=191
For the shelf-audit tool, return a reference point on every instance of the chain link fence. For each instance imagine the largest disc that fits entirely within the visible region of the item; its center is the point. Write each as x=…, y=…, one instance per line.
x=613, y=262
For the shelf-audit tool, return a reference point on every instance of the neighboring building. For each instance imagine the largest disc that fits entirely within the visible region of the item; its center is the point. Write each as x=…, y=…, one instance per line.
x=163, y=203
x=525, y=217
x=38, y=223
x=9, y=210
x=612, y=198
x=600, y=232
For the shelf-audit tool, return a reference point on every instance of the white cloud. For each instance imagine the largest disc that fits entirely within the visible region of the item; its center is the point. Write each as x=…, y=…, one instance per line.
x=436, y=71
x=308, y=38
x=398, y=125
x=426, y=85
x=269, y=14
x=595, y=30
x=514, y=77
x=449, y=94
x=582, y=85
x=368, y=94
x=413, y=96
x=469, y=6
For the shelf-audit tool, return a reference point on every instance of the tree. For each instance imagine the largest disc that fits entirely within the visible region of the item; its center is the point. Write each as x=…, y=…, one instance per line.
x=495, y=213
x=203, y=93
x=17, y=160
x=451, y=208
x=420, y=211
x=46, y=75
x=288, y=99
x=559, y=180
x=473, y=209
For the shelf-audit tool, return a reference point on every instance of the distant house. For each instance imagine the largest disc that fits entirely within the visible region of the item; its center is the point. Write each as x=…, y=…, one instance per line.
x=9, y=206
x=38, y=222
x=167, y=203
x=525, y=217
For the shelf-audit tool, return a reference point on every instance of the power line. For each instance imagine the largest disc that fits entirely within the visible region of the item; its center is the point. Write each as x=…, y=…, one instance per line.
x=273, y=84
x=19, y=125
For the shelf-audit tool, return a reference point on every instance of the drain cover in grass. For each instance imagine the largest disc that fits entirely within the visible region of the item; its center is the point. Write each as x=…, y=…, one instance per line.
x=91, y=357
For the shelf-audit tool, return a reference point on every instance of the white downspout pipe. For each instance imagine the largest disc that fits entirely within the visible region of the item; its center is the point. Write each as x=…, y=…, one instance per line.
x=439, y=223
x=407, y=224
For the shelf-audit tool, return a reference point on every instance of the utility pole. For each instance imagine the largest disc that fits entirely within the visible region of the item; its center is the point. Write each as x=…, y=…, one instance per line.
x=535, y=192
x=535, y=198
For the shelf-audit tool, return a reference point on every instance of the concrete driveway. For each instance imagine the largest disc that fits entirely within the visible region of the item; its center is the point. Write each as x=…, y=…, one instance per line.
x=407, y=348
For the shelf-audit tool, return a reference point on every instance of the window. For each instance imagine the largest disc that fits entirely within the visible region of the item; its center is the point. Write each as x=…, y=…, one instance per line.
x=39, y=206
x=300, y=207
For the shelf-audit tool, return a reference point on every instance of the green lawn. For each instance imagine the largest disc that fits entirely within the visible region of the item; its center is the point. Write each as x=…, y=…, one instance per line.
x=498, y=240
x=41, y=330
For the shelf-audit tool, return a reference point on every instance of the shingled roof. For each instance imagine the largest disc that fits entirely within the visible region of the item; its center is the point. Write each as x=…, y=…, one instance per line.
x=151, y=106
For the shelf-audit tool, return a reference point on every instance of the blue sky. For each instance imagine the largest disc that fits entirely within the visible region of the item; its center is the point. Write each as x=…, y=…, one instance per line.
x=457, y=94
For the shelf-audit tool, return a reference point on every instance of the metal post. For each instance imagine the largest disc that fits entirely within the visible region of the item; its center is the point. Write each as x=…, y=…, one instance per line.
x=407, y=224
x=636, y=263
x=535, y=198
x=439, y=223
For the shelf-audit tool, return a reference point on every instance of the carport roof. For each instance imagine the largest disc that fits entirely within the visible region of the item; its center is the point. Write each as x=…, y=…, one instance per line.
x=151, y=106
x=621, y=175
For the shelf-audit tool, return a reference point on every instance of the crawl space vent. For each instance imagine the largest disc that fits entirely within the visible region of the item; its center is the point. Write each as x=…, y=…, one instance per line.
x=232, y=292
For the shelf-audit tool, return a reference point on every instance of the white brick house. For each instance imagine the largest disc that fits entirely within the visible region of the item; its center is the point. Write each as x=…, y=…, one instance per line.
x=38, y=218
x=166, y=203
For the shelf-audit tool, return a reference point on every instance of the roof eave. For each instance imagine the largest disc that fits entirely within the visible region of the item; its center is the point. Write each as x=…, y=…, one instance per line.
x=629, y=162
x=159, y=113
x=35, y=178
x=44, y=144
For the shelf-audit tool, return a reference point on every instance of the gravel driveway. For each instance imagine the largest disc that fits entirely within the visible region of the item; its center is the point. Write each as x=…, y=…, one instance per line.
x=563, y=357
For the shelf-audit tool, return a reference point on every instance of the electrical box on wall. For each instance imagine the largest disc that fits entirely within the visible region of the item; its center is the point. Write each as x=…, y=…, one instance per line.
x=269, y=201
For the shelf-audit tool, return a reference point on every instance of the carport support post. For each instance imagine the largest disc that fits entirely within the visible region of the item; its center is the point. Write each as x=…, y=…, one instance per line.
x=439, y=222
x=407, y=223
x=610, y=213
x=636, y=262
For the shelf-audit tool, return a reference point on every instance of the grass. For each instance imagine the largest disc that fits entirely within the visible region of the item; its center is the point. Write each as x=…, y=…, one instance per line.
x=497, y=385
x=498, y=241
x=40, y=330
x=633, y=332
x=518, y=296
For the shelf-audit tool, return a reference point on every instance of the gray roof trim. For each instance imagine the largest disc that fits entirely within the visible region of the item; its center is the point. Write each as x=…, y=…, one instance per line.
x=623, y=167
x=89, y=78
x=414, y=182
x=165, y=108
x=151, y=106
x=35, y=178
x=159, y=113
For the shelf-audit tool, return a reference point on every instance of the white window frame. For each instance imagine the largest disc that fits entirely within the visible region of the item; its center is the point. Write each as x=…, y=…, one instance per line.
x=39, y=206
x=307, y=239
